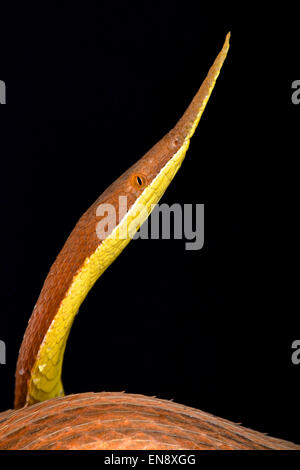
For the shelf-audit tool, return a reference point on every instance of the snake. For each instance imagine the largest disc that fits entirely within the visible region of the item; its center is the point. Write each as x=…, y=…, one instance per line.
x=43, y=417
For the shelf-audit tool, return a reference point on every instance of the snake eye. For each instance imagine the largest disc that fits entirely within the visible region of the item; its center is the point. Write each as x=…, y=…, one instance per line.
x=138, y=181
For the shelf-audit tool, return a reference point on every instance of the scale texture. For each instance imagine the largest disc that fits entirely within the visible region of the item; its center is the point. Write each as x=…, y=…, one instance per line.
x=120, y=421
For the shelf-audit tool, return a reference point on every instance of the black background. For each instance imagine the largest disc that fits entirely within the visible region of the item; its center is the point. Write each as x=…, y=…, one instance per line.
x=89, y=91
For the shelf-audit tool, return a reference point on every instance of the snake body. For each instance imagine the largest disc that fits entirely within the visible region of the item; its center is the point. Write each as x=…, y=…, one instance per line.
x=106, y=420
x=85, y=257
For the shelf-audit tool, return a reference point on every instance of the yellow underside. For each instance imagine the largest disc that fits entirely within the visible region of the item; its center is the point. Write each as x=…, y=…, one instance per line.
x=45, y=379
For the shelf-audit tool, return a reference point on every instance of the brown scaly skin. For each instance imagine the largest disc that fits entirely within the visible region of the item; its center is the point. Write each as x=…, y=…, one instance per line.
x=81, y=243
x=124, y=421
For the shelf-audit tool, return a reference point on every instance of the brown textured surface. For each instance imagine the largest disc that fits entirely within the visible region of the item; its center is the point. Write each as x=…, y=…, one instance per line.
x=83, y=240
x=124, y=421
